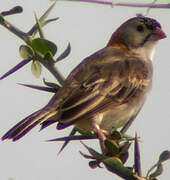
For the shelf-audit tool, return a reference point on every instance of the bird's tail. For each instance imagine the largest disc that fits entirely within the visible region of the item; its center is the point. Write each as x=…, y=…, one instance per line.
x=24, y=126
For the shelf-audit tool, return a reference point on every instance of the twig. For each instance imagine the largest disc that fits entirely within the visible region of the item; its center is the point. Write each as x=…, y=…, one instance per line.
x=148, y=10
x=92, y=1
x=53, y=69
x=26, y=37
x=13, y=29
x=142, y=5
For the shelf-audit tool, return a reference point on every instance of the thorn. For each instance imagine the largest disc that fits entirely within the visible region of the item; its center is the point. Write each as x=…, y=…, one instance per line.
x=39, y=25
x=137, y=162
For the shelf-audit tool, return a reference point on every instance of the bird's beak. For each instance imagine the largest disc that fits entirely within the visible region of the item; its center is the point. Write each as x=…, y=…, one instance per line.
x=159, y=33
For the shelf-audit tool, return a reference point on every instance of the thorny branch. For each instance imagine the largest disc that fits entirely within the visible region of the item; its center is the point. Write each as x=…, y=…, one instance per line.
x=27, y=38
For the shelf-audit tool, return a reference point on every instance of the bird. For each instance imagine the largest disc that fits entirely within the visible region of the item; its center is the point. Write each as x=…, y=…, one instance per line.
x=107, y=89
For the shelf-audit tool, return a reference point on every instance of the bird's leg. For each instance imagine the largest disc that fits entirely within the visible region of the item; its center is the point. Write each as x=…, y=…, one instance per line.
x=102, y=134
x=99, y=132
x=96, y=127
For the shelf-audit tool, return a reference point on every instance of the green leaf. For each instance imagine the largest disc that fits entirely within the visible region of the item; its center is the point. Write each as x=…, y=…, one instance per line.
x=114, y=165
x=124, y=157
x=111, y=146
x=165, y=155
x=43, y=46
x=26, y=51
x=36, y=68
x=116, y=135
x=124, y=154
x=124, y=147
x=157, y=172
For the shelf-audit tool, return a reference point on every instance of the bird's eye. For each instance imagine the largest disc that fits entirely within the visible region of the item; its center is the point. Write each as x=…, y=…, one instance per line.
x=140, y=28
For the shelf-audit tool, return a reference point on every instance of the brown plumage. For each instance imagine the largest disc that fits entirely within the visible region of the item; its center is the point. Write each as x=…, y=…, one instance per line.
x=105, y=90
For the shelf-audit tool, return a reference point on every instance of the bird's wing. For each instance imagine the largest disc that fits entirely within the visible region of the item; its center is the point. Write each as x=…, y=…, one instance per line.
x=95, y=86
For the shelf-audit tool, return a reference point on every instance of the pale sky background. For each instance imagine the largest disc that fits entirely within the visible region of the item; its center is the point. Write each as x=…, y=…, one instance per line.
x=88, y=28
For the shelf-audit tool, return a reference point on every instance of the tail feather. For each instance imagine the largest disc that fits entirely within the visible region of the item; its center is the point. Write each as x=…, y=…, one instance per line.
x=47, y=123
x=24, y=126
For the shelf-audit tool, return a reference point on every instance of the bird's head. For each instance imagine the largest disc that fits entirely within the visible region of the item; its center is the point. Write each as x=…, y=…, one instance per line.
x=138, y=35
